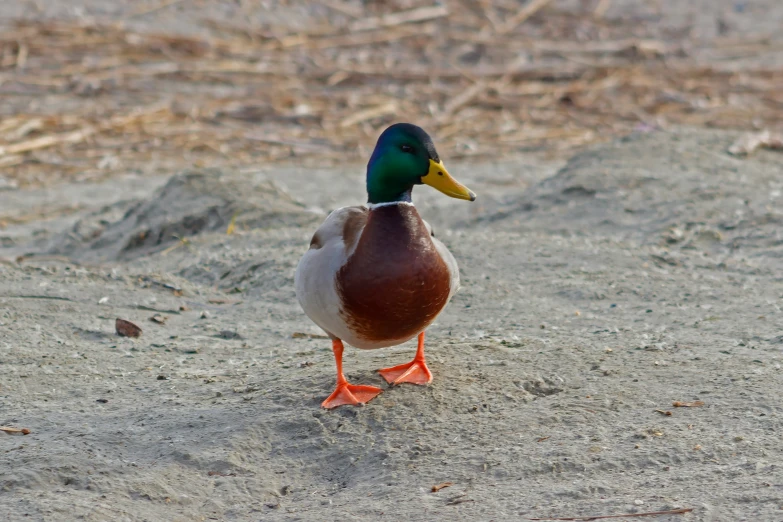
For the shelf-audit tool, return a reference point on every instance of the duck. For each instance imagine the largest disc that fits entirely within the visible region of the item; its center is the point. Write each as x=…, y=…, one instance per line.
x=374, y=275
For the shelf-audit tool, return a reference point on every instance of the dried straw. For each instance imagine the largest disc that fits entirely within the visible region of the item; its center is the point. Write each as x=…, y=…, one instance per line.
x=484, y=78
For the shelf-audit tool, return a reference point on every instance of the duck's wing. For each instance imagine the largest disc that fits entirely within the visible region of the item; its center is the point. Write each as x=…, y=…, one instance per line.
x=315, y=278
x=343, y=225
x=448, y=258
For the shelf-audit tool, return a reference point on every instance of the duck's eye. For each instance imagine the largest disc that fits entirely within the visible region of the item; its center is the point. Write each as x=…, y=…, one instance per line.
x=406, y=148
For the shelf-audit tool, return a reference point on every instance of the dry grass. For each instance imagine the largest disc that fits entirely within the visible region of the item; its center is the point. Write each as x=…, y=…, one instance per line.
x=87, y=100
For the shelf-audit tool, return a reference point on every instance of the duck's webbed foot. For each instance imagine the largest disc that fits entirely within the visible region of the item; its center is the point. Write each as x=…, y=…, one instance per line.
x=414, y=372
x=347, y=393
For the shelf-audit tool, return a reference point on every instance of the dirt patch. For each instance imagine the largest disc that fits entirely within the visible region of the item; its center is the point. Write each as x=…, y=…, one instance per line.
x=191, y=203
x=578, y=324
x=693, y=193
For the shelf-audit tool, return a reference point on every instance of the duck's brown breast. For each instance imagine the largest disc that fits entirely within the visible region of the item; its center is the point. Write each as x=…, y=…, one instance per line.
x=395, y=282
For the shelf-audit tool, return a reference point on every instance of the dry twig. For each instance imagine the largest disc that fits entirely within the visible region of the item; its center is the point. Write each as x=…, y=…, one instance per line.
x=529, y=10
x=14, y=431
x=681, y=511
x=368, y=114
x=419, y=14
x=694, y=404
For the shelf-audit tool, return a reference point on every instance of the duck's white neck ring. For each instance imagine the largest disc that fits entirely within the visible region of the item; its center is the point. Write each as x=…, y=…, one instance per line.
x=388, y=204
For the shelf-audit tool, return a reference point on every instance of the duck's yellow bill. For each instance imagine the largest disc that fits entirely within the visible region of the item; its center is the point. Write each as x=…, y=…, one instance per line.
x=440, y=179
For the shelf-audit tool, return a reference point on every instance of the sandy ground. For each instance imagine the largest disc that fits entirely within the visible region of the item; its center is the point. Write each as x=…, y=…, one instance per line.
x=595, y=293
x=597, y=290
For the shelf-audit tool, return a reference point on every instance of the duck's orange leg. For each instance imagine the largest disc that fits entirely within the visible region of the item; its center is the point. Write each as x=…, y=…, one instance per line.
x=346, y=393
x=415, y=372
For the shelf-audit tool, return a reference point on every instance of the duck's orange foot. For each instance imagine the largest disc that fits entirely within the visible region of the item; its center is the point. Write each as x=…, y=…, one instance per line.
x=350, y=394
x=414, y=372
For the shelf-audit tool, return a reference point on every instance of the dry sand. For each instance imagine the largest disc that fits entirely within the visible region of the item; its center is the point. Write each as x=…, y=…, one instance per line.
x=595, y=293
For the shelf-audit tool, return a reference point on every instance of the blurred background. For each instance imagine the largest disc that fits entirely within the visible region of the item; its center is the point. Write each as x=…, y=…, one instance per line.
x=92, y=88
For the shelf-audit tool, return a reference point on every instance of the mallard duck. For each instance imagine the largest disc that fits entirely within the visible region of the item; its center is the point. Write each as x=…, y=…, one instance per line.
x=375, y=276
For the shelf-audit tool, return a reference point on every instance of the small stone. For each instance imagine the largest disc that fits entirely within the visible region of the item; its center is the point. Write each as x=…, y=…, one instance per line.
x=638, y=502
x=674, y=235
x=162, y=378
x=204, y=314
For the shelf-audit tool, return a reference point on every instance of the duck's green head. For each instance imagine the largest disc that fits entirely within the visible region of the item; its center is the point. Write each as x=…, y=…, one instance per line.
x=403, y=157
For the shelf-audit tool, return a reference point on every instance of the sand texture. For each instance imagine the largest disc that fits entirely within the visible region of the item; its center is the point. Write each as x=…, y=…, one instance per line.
x=596, y=292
